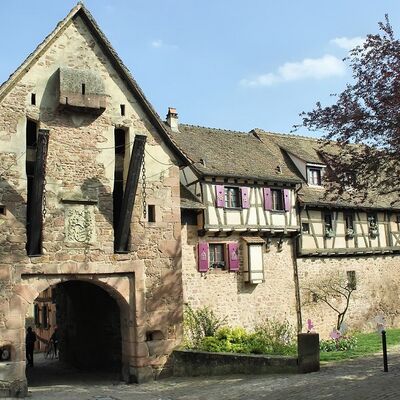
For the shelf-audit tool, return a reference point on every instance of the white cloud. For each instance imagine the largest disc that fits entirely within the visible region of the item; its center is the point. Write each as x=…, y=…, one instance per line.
x=309, y=68
x=157, y=43
x=348, y=43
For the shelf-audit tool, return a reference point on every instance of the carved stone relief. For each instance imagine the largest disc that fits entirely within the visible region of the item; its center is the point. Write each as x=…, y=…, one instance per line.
x=79, y=224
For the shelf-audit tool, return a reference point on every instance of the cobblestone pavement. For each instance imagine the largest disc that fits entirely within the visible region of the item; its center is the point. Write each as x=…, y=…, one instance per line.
x=360, y=379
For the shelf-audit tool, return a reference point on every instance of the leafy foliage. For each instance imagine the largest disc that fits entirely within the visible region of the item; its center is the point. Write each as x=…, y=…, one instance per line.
x=199, y=324
x=344, y=343
x=270, y=337
x=367, y=112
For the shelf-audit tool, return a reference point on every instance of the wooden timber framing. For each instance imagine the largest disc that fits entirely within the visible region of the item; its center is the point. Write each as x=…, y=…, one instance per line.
x=128, y=200
x=387, y=241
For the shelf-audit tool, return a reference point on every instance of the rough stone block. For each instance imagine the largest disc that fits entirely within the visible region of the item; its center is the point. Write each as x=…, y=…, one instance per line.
x=308, y=352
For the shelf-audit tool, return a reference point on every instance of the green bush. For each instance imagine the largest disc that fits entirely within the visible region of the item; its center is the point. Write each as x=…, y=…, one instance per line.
x=343, y=343
x=271, y=337
x=274, y=337
x=199, y=324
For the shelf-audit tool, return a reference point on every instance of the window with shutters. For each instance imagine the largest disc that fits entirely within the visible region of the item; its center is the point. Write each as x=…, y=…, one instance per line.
x=218, y=256
x=232, y=197
x=277, y=200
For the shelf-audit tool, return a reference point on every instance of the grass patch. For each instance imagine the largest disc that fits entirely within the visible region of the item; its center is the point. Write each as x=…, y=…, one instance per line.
x=367, y=344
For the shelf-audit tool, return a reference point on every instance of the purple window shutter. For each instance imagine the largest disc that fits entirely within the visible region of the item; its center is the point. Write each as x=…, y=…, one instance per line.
x=267, y=199
x=203, y=256
x=220, y=194
x=233, y=255
x=286, y=199
x=245, y=197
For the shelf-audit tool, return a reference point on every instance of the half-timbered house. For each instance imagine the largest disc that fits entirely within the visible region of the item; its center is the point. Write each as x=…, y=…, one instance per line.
x=268, y=227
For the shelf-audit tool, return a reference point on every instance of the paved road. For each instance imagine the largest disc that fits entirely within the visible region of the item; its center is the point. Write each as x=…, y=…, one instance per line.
x=361, y=379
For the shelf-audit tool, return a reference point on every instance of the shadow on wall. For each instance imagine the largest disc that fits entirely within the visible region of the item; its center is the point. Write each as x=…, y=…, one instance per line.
x=165, y=311
x=93, y=188
x=12, y=235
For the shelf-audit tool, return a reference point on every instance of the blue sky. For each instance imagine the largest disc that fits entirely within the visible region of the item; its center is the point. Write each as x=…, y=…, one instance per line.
x=222, y=63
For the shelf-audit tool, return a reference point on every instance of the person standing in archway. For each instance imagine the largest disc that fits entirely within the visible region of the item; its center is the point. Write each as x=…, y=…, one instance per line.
x=54, y=339
x=30, y=340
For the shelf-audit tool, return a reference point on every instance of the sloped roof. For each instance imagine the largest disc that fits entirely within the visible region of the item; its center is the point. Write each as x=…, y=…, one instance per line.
x=189, y=200
x=305, y=148
x=82, y=11
x=218, y=152
x=309, y=150
x=350, y=199
x=257, y=154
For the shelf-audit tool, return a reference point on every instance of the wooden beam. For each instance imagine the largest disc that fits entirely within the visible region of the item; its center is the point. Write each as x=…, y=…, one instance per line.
x=128, y=201
x=35, y=224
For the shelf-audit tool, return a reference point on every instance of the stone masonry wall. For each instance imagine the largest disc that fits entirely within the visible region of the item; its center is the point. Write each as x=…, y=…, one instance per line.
x=80, y=165
x=227, y=294
x=377, y=291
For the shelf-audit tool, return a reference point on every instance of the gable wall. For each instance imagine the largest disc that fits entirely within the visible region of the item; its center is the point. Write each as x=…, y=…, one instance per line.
x=81, y=164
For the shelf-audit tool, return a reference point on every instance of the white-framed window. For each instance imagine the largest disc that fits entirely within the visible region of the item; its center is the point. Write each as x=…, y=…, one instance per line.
x=314, y=176
x=232, y=197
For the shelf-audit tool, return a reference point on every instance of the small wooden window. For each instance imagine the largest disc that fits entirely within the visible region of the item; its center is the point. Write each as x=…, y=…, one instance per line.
x=122, y=106
x=305, y=227
x=351, y=280
x=328, y=221
x=348, y=218
x=151, y=213
x=33, y=99
x=36, y=314
x=217, y=256
x=277, y=199
x=45, y=317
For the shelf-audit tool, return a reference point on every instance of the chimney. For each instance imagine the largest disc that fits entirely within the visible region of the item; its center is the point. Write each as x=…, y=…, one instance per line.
x=172, y=119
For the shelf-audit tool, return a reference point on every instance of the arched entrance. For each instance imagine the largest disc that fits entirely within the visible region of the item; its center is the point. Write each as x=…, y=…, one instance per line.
x=88, y=321
x=94, y=321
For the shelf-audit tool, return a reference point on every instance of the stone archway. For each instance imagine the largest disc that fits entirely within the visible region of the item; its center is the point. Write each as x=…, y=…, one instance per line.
x=120, y=287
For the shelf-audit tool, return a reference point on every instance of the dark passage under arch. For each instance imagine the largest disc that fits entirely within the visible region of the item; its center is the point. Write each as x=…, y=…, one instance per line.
x=88, y=319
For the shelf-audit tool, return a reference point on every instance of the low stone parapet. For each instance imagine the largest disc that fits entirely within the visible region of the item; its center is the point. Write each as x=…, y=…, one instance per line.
x=201, y=363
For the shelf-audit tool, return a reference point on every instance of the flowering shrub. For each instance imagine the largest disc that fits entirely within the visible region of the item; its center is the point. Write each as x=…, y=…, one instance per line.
x=342, y=343
x=271, y=337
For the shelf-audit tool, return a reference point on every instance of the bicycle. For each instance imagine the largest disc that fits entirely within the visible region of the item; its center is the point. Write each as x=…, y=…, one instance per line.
x=50, y=351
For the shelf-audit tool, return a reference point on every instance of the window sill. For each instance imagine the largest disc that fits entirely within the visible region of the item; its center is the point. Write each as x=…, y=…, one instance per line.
x=233, y=208
x=278, y=211
x=217, y=271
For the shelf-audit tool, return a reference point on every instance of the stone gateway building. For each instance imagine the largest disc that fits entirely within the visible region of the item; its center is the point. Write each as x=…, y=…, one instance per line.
x=74, y=129
x=111, y=220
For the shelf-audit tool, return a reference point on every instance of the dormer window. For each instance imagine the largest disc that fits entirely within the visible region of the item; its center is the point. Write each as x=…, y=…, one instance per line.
x=314, y=176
